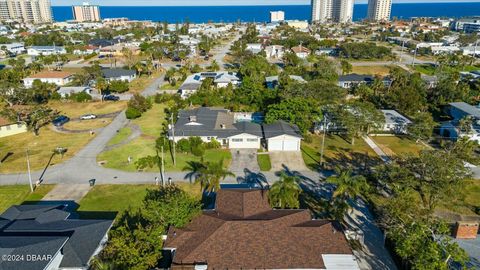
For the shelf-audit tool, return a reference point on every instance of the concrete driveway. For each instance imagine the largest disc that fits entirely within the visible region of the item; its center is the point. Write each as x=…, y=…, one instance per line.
x=244, y=159
x=293, y=161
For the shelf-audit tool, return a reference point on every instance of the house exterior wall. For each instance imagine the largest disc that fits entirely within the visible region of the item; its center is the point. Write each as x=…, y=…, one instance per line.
x=244, y=141
x=283, y=143
x=28, y=82
x=12, y=129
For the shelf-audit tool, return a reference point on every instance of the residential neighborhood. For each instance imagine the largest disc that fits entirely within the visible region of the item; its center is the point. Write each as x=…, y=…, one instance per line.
x=300, y=141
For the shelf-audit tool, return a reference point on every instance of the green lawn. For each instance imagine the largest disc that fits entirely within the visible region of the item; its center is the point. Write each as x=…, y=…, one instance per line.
x=338, y=152
x=468, y=201
x=168, y=86
x=431, y=69
x=264, y=162
x=118, y=198
x=393, y=145
x=17, y=194
x=121, y=136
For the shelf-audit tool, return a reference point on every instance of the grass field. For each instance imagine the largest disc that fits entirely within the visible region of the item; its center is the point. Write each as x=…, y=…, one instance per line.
x=87, y=124
x=121, y=136
x=118, y=198
x=338, y=152
x=76, y=109
x=168, y=86
x=430, y=69
x=140, y=83
x=17, y=194
x=393, y=145
x=467, y=201
x=40, y=149
x=371, y=70
x=264, y=162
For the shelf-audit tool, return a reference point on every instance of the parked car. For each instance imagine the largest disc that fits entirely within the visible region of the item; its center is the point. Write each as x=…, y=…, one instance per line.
x=88, y=116
x=111, y=98
x=60, y=120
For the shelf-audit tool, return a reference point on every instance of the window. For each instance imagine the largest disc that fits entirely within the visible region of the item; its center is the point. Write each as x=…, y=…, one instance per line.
x=252, y=140
x=237, y=140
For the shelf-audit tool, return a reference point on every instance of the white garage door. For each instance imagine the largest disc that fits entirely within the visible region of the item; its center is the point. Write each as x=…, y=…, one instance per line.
x=290, y=145
x=275, y=145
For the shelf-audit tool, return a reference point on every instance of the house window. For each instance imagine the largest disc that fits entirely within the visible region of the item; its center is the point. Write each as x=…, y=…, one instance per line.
x=252, y=140
x=237, y=140
x=209, y=138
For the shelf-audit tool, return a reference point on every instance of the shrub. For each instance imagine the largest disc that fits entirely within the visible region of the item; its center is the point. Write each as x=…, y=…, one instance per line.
x=132, y=113
x=80, y=97
x=55, y=96
x=183, y=145
x=195, y=142
x=198, y=150
x=140, y=103
x=173, y=82
x=308, y=138
x=118, y=86
x=213, y=144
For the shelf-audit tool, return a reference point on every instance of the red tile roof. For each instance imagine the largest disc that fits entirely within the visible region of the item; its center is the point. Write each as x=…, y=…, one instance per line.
x=244, y=232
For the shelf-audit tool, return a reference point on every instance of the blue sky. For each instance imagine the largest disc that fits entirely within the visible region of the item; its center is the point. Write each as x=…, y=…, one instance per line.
x=216, y=2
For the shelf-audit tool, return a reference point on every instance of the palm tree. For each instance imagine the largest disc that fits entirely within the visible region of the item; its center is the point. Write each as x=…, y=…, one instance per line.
x=208, y=174
x=348, y=187
x=284, y=193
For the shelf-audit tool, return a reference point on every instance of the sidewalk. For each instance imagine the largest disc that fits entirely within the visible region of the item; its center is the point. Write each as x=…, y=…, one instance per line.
x=377, y=149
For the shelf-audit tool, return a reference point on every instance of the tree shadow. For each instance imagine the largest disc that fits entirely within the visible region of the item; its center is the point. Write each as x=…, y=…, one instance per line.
x=9, y=154
x=253, y=180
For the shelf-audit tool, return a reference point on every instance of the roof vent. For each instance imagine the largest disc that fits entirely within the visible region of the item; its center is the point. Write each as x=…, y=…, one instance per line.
x=222, y=126
x=193, y=118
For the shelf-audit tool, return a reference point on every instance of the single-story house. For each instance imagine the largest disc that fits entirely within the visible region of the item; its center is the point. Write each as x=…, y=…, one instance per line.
x=282, y=136
x=458, y=111
x=48, y=238
x=13, y=48
x=275, y=51
x=395, y=122
x=45, y=50
x=119, y=74
x=220, y=79
x=86, y=50
x=272, y=81
x=242, y=231
x=301, y=52
x=58, y=78
x=66, y=91
x=254, y=47
x=7, y=128
x=218, y=124
x=352, y=80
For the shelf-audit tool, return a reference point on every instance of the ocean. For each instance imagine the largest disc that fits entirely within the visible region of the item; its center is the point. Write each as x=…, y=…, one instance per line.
x=203, y=14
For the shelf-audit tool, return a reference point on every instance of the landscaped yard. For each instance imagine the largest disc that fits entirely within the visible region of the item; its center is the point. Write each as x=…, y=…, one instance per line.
x=264, y=162
x=338, y=152
x=118, y=198
x=371, y=70
x=393, y=145
x=17, y=194
x=40, y=149
x=151, y=124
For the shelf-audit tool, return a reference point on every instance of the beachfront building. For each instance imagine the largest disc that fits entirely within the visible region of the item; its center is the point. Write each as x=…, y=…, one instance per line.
x=379, y=10
x=340, y=11
x=26, y=11
x=277, y=16
x=86, y=13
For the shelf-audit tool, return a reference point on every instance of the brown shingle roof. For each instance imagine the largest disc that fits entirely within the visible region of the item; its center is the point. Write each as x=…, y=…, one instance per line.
x=51, y=74
x=244, y=232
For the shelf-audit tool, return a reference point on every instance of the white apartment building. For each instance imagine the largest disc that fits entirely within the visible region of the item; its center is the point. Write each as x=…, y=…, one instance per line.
x=277, y=16
x=379, y=10
x=86, y=13
x=27, y=11
x=340, y=11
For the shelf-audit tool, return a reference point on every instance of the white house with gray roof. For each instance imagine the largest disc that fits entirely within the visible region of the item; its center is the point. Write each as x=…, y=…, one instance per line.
x=119, y=74
x=395, y=122
x=460, y=111
x=282, y=136
x=220, y=79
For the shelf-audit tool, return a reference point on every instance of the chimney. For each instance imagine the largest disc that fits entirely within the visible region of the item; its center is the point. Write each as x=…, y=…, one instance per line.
x=193, y=118
x=466, y=230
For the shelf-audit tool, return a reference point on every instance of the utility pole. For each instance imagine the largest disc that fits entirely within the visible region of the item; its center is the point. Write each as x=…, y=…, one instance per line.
x=163, y=169
x=173, y=141
x=29, y=173
x=414, y=55
x=323, y=139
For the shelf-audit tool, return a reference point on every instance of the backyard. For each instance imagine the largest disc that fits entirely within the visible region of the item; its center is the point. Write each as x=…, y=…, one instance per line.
x=371, y=70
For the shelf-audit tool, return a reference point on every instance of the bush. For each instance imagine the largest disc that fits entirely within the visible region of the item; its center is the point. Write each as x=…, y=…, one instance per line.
x=173, y=82
x=161, y=98
x=80, y=97
x=198, y=150
x=308, y=138
x=195, y=142
x=132, y=113
x=55, y=96
x=183, y=145
x=118, y=86
x=140, y=103
x=213, y=144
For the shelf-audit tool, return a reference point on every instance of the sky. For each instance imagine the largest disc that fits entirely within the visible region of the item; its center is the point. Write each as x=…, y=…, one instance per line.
x=217, y=2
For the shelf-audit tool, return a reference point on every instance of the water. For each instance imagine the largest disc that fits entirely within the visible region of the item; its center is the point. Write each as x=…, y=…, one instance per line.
x=262, y=13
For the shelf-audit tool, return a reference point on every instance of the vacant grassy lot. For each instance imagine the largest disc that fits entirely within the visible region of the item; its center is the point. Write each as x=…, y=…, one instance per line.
x=431, y=69
x=17, y=194
x=121, y=136
x=140, y=83
x=118, y=198
x=338, y=152
x=87, y=124
x=264, y=162
x=151, y=122
x=40, y=149
x=371, y=70
x=168, y=86
x=393, y=145
x=76, y=109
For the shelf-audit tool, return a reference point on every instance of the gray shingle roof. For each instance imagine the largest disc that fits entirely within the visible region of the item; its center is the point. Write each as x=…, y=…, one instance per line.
x=467, y=108
x=280, y=128
x=39, y=221
x=355, y=78
x=117, y=72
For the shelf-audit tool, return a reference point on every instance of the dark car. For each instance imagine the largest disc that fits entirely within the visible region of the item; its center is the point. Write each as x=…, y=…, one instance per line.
x=111, y=98
x=60, y=120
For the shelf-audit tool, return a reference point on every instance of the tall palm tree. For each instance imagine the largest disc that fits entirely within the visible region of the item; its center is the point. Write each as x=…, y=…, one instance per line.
x=208, y=174
x=284, y=193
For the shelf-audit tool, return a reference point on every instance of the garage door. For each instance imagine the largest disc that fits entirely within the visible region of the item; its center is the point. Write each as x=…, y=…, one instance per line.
x=290, y=145
x=275, y=145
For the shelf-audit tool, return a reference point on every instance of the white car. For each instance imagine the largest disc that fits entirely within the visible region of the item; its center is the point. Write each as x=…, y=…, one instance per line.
x=88, y=117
